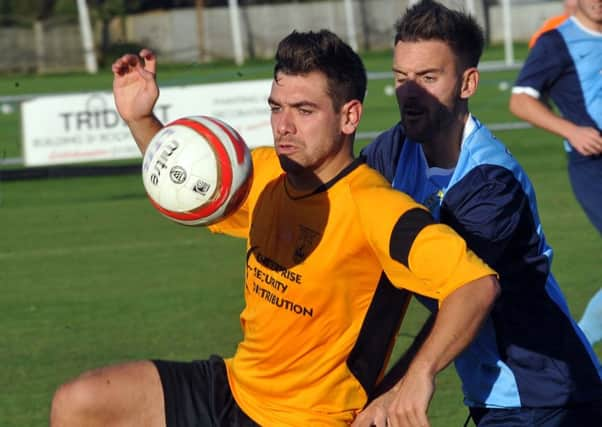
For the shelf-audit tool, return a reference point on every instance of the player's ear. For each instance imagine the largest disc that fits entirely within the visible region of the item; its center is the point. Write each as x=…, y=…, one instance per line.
x=351, y=113
x=470, y=82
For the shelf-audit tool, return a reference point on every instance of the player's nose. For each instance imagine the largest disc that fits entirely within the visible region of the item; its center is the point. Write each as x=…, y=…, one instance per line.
x=285, y=123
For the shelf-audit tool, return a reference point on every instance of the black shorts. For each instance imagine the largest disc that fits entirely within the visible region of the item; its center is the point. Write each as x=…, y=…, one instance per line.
x=197, y=394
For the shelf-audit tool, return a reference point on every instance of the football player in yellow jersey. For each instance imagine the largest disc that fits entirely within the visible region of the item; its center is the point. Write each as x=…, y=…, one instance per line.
x=332, y=254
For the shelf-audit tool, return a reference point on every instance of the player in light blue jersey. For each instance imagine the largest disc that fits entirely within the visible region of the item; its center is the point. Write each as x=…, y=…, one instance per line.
x=566, y=65
x=531, y=365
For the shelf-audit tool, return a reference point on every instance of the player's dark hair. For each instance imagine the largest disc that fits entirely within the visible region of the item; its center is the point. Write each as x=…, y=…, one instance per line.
x=301, y=53
x=429, y=20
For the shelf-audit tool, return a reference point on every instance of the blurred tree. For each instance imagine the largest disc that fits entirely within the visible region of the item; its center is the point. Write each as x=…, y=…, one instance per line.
x=32, y=9
x=6, y=11
x=45, y=9
x=65, y=8
x=103, y=12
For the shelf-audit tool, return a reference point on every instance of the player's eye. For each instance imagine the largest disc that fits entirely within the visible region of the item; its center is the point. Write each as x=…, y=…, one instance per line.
x=429, y=78
x=274, y=108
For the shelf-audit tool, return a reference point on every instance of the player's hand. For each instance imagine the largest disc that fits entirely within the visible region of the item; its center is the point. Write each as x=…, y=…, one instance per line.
x=405, y=405
x=586, y=140
x=413, y=394
x=375, y=414
x=134, y=86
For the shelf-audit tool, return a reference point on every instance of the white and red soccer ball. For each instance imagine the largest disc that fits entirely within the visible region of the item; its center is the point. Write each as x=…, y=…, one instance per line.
x=197, y=170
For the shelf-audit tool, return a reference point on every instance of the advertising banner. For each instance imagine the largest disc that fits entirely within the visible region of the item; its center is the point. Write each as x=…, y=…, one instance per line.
x=86, y=127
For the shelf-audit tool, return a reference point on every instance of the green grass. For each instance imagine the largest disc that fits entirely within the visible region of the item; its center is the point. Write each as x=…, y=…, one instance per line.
x=92, y=275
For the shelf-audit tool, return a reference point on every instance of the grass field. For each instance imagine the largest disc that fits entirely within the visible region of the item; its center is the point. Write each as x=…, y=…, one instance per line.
x=92, y=275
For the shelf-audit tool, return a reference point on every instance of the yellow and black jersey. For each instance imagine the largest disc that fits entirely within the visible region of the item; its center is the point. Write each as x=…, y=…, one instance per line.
x=322, y=289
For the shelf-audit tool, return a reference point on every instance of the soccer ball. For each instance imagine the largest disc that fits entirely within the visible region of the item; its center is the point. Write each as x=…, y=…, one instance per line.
x=197, y=170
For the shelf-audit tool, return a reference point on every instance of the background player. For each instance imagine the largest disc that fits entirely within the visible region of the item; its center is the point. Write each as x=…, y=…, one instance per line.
x=566, y=65
x=549, y=24
x=530, y=362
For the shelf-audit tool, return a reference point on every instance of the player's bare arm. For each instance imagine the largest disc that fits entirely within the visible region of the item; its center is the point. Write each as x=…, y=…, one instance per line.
x=136, y=91
x=586, y=140
x=456, y=324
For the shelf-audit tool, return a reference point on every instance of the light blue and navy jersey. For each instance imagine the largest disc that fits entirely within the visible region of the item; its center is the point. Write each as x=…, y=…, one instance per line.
x=530, y=352
x=566, y=65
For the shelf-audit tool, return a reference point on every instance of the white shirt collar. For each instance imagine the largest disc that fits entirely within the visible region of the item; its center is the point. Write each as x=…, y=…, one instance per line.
x=469, y=126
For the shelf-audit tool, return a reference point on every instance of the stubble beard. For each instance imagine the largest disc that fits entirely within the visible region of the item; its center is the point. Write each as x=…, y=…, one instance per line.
x=431, y=126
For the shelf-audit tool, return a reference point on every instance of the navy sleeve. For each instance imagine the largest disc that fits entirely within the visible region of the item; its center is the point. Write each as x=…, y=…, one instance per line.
x=382, y=153
x=545, y=63
x=491, y=211
x=551, y=71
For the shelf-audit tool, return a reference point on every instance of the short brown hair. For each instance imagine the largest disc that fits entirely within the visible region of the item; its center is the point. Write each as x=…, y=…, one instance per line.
x=430, y=20
x=304, y=52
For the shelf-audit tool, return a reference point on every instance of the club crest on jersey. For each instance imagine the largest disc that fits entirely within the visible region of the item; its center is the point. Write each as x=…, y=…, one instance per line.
x=433, y=201
x=306, y=242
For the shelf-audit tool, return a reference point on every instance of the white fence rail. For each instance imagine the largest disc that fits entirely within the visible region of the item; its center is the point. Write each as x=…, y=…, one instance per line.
x=191, y=36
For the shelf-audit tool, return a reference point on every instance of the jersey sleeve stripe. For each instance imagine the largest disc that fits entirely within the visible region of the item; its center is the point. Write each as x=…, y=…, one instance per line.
x=405, y=231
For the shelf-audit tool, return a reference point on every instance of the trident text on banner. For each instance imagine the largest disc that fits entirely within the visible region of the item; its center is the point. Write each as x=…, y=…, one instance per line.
x=86, y=127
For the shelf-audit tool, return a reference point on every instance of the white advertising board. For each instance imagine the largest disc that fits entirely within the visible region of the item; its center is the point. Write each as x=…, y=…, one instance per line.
x=86, y=127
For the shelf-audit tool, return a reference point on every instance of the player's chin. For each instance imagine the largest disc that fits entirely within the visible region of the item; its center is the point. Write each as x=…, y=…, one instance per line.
x=289, y=164
x=414, y=130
